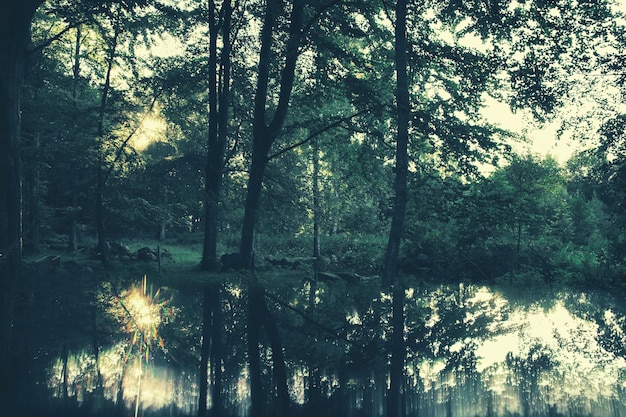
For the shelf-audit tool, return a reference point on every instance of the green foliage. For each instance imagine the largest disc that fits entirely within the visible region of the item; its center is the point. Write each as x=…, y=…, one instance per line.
x=361, y=253
x=528, y=225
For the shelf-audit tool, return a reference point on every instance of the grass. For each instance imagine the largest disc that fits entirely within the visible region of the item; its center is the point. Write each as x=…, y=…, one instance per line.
x=184, y=254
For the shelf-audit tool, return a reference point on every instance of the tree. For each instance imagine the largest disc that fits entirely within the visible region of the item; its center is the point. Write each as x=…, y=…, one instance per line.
x=398, y=349
x=219, y=103
x=264, y=133
x=15, y=21
x=118, y=22
x=531, y=198
x=211, y=350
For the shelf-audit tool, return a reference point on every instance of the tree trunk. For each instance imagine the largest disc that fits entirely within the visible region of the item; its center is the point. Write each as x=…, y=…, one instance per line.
x=64, y=357
x=403, y=116
x=209, y=260
x=219, y=101
x=73, y=232
x=211, y=349
x=313, y=394
x=204, y=352
x=316, y=200
x=102, y=248
x=260, y=316
x=251, y=208
x=278, y=362
x=398, y=354
x=398, y=351
x=162, y=230
x=120, y=407
x=216, y=352
x=15, y=19
x=215, y=154
x=76, y=67
x=518, y=250
x=257, y=397
x=95, y=342
x=263, y=134
x=101, y=175
x=34, y=213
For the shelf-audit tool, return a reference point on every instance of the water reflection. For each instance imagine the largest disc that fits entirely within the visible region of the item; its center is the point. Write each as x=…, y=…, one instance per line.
x=470, y=353
x=156, y=386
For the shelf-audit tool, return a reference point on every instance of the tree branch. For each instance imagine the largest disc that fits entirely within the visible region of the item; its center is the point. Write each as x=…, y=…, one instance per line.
x=316, y=16
x=118, y=154
x=317, y=133
x=328, y=330
x=54, y=38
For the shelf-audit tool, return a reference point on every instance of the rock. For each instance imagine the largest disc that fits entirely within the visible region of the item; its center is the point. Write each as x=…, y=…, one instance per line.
x=118, y=249
x=232, y=261
x=146, y=254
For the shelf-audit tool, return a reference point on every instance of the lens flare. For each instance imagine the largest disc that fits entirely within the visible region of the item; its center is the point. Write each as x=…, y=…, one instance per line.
x=144, y=314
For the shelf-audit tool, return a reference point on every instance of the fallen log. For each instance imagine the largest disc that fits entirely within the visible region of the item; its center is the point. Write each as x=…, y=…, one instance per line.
x=327, y=277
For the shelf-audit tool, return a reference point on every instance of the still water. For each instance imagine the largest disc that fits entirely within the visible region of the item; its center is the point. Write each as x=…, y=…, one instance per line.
x=471, y=351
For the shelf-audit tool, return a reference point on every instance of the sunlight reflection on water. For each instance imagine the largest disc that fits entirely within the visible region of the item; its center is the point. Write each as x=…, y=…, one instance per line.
x=539, y=352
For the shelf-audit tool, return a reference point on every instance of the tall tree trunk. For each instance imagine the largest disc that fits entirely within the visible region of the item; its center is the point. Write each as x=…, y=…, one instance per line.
x=263, y=134
x=102, y=247
x=313, y=394
x=76, y=66
x=216, y=352
x=395, y=401
x=101, y=174
x=73, y=232
x=64, y=358
x=402, y=139
x=259, y=317
x=398, y=350
x=518, y=250
x=252, y=207
x=316, y=201
x=213, y=169
x=34, y=213
x=204, y=353
x=278, y=362
x=15, y=20
x=219, y=100
x=257, y=397
x=95, y=343
x=211, y=350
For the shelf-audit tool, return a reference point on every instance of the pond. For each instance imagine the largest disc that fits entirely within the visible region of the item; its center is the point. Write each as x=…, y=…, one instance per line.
x=110, y=347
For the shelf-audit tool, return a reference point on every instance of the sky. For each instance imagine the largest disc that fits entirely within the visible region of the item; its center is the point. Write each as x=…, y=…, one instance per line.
x=544, y=140
x=540, y=139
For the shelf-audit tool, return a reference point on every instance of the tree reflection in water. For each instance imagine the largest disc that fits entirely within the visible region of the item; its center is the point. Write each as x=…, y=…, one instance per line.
x=470, y=353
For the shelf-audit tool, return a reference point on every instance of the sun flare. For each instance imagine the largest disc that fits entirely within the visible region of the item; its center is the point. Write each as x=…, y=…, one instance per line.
x=152, y=130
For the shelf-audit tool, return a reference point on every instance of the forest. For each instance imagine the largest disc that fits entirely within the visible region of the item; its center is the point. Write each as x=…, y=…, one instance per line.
x=303, y=208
